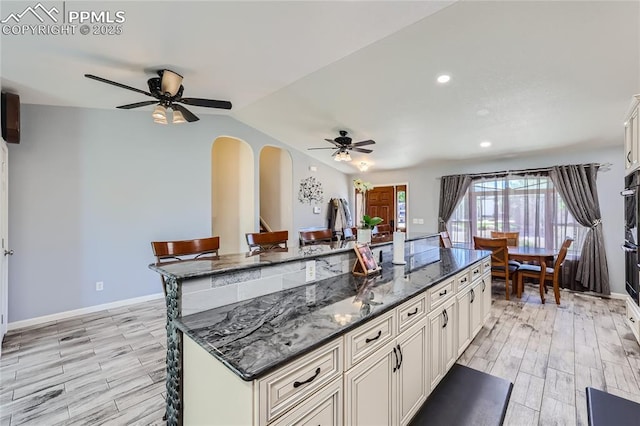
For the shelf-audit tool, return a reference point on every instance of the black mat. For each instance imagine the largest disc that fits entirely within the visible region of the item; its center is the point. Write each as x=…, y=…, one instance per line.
x=605, y=409
x=465, y=397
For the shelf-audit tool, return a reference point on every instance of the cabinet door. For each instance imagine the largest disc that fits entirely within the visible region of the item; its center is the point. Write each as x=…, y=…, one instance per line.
x=486, y=297
x=370, y=391
x=324, y=409
x=412, y=374
x=628, y=145
x=434, y=349
x=635, y=138
x=449, y=342
x=477, y=312
x=464, y=319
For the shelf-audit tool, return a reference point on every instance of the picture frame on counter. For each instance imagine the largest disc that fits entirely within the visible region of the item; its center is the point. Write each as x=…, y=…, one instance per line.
x=365, y=263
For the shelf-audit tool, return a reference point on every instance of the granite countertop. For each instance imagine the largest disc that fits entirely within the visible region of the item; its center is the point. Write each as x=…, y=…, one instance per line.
x=256, y=336
x=234, y=262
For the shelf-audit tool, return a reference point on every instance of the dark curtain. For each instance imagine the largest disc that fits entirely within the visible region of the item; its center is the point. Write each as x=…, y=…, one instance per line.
x=452, y=189
x=577, y=187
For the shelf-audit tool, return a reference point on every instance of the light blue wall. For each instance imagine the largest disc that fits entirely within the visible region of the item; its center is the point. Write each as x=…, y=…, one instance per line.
x=90, y=189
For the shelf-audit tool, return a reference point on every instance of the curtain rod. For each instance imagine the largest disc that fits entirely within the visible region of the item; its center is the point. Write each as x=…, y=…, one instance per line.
x=602, y=167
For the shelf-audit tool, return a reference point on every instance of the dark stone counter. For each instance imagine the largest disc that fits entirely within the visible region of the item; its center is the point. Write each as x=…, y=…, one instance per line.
x=256, y=336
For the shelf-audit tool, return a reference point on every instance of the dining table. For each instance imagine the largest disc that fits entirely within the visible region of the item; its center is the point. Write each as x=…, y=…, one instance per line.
x=542, y=257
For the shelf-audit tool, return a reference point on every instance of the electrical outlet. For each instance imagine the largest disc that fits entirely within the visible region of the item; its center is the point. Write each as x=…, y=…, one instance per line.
x=420, y=221
x=99, y=285
x=310, y=271
x=415, y=221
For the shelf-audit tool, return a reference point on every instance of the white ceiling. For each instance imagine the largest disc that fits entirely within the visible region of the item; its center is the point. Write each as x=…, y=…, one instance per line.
x=527, y=76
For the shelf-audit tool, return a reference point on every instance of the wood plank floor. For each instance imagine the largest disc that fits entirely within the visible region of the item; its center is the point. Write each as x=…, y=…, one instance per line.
x=108, y=367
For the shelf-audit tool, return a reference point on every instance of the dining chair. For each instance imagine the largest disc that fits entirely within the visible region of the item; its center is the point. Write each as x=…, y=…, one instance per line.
x=349, y=234
x=177, y=251
x=512, y=237
x=445, y=240
x=260, y=242
x=551, y=273
x=500, y=266
x=315, y=237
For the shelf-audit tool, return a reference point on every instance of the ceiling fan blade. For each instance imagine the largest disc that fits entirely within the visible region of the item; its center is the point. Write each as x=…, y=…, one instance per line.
x=137, y=104
x=334, y=142
x=363, y=143
x=188, y=115
x=209, y=103
x=113, y=83
x=171, y=81
x=366, y=151
x=328, y=147
x=336, y=153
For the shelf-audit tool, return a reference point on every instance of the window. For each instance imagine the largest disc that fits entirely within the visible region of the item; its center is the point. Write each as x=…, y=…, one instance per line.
x=526, y=204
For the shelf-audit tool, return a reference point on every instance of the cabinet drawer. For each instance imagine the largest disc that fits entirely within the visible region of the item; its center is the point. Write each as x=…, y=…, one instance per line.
x=476, y=271
x=486, y=265
x=288, y=386
x=411, y=311
x=366, y=339
x=463, y=279
x=323, y=408
x=440, y=293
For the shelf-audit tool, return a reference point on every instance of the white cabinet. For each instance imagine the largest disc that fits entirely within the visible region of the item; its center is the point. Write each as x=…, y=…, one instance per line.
x=633, y=317
x=442, y=341
x=485, y=289
x=464, y=319
x=632, y=137
x=389, y=386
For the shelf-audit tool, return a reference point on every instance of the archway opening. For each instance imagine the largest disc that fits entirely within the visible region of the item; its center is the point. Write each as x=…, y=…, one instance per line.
x=232, y=193
x=276, y=189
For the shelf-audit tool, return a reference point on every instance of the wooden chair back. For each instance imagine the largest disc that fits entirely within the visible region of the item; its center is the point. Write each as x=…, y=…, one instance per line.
x=382, y=229
x=498, y=248
x=176, y=251
x=561, y=256
x=513, y=238
x=445, y=240
x=316, y=237
x=267, y=241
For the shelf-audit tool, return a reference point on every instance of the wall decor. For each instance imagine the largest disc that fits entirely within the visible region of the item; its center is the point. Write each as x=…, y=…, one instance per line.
x=310, y=191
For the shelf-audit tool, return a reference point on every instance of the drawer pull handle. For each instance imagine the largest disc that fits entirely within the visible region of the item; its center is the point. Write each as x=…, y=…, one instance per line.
x=400, y=352
x=309, y=380
x=367, y=340
x=476, y=271
x=415, y=311
x=442, y=293
x=397, y=366
x=632, y=319
x=484, y=285
x=473, y=295
x=463, y=280
x=446, y=318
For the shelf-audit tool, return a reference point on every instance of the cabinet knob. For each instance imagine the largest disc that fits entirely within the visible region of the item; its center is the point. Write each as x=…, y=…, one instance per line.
x=8, y=252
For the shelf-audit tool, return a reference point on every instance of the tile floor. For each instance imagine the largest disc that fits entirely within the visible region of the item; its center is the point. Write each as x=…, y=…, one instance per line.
x=107, y=368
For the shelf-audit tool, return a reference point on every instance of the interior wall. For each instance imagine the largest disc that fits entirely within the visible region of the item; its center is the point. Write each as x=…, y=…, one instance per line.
x=232, y=210
x=424, y=192
x=90, y=189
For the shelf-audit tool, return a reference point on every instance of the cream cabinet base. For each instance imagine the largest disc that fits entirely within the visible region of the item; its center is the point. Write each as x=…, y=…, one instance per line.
x=633, y=318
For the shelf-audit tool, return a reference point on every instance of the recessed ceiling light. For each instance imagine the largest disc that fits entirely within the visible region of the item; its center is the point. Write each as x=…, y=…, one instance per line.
x=485, y=144
x=443, y=78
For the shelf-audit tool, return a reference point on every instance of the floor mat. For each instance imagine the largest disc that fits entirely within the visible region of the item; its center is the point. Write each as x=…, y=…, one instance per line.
x=466, y=397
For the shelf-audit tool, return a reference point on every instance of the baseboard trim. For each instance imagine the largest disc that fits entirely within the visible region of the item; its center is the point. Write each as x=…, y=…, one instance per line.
x=621, y=296
x=88, y=310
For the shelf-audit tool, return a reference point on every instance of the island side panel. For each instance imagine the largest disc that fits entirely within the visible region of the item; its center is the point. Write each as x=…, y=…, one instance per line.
x=213, y=395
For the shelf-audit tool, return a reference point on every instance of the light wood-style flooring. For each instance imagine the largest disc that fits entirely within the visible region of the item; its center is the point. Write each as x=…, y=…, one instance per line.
x=108, y=367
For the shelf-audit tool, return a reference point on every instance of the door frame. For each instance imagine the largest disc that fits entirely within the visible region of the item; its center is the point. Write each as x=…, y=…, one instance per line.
x=4, y=239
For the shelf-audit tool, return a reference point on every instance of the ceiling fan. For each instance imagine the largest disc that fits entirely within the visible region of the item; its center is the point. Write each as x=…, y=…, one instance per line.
x=167, y=90
x=344, y=145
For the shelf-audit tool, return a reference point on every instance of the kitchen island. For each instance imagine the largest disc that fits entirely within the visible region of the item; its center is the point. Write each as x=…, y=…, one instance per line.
x=305, y=352
x=253, y=275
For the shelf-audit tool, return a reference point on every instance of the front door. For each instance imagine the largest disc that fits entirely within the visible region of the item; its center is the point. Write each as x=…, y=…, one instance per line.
x=381, y=203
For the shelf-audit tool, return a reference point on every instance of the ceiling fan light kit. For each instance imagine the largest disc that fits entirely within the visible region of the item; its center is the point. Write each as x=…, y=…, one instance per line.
x=167, y=89
x=342, y=145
